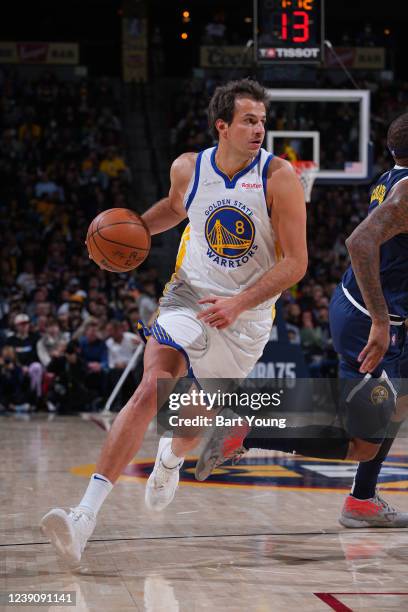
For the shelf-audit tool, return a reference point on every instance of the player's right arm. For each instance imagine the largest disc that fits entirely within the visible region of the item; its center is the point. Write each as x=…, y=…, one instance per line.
x=385, y=222
x=170, y=211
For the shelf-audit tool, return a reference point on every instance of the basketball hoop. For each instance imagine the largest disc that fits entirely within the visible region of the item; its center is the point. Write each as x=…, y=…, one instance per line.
x=307, y=172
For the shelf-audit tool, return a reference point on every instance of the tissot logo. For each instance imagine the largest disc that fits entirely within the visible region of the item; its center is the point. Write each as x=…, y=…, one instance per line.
x=251, y=185
x=289, y=52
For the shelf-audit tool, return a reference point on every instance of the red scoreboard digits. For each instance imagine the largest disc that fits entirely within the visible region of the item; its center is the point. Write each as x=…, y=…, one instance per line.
x=288, y=31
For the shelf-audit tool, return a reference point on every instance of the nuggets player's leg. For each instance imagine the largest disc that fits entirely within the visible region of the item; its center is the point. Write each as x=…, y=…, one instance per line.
x=364, y=507
x=350, y=330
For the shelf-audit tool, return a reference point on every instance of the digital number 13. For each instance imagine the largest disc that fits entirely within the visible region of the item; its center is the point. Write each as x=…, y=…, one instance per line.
x=303, y=26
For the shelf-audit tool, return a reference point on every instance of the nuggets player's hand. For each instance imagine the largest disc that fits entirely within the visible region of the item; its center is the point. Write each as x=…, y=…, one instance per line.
x=376, y=347
x=222, y=312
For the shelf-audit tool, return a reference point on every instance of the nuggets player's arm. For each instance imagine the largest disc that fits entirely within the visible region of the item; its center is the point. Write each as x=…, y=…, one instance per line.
x=170, y=211
x=286, y=198
x=386, y=221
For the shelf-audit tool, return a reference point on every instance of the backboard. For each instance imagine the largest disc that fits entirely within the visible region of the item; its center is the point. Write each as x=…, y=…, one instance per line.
x=328, y=126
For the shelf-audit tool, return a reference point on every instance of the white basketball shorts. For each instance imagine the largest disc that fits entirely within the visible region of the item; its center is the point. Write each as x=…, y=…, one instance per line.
x=212, y=353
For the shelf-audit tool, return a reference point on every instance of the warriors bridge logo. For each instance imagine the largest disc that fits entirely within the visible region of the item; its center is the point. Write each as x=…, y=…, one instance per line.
x=230, y=235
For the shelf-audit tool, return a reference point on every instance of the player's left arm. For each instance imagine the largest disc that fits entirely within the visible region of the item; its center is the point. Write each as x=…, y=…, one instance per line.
x=385, y=222
x=286, y=196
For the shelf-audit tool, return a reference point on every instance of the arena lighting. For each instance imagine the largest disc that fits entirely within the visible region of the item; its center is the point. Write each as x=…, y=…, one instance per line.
x=186, y=14
x=184, y=35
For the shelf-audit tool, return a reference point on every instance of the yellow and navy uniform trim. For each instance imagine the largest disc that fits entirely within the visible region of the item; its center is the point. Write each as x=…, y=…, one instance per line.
x=196, y=180
x=181, y=253
x=158, y=332
x=230, y=183
x=265, y=180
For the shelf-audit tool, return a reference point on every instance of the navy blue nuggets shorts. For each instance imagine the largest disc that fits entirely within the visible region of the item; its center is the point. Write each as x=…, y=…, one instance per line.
x=404, y=371
x=366, y=402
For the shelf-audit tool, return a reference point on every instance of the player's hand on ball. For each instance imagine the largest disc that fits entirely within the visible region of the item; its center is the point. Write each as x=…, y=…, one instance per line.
x=221, y=313
x=100, y=266
x=376, y=347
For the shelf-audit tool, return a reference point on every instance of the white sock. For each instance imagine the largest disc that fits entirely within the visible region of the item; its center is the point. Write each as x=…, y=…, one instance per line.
x=98, y=489
x=169, y=459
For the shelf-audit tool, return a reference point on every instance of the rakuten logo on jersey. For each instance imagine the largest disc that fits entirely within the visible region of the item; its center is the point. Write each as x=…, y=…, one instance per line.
x=290, y=52
x=251, y=185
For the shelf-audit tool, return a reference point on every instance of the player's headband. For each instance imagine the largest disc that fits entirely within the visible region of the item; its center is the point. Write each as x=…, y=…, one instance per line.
x=398, y=153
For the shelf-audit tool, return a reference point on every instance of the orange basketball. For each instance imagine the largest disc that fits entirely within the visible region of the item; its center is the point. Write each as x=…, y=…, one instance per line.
x=118, y=240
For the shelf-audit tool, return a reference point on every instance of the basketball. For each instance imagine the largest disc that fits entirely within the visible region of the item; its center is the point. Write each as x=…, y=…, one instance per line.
x=118, y=240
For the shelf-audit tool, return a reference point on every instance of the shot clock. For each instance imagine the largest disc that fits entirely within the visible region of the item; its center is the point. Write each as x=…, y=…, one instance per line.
x=288, y=31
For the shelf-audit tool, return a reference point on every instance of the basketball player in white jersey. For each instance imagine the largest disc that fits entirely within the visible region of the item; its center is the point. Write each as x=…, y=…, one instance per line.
x=244, y=206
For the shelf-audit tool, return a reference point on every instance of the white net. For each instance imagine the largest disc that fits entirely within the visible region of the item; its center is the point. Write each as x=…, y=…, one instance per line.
x=307, y=172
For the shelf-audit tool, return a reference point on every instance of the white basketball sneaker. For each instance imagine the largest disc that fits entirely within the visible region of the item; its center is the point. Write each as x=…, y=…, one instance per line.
x=68, y=532
x=163, y=481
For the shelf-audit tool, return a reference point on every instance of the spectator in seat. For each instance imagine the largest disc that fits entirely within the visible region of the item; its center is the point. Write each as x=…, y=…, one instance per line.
x=132, y=317
x=47, y=186
x=49, y=345
x=121, y=346
x=69, y=392
x=13, y=382
x=26, y=279
x=293, y=334
x=41, y=326
x=146, y=303
x=25, y=344
x=93, y=349
x=293, y=315
x=112, y=164
x=64, y=323
x=95, y=354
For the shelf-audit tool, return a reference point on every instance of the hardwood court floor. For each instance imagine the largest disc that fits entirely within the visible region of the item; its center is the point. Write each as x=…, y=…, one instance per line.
x=260, y=536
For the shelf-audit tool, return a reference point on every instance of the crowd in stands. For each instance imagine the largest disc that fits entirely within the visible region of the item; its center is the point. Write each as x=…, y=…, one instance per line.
x=66, y=327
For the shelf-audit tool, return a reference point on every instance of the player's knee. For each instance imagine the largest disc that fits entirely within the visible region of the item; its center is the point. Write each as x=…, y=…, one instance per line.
x=361, y=450
x=365, y=455
x=154, y=385
x=156, y=376
x=164, y=374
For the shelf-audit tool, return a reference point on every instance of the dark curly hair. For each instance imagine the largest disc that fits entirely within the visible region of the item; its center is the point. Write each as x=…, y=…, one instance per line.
x=397, y=137
x=222, y=103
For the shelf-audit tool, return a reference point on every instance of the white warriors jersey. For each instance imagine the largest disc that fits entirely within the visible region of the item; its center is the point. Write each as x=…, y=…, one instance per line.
x=229, y=242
